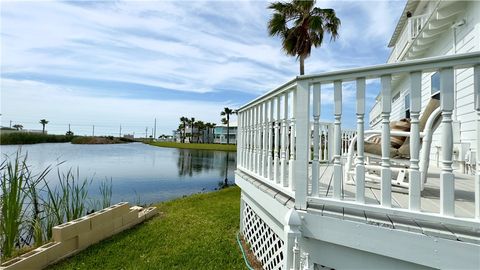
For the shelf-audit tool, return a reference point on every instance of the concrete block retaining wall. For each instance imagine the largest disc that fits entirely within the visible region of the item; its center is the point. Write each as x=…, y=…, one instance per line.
x=74, y=236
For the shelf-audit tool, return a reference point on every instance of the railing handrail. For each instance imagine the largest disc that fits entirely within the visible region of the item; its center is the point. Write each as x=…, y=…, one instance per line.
x=375, y=71
x=430, y=63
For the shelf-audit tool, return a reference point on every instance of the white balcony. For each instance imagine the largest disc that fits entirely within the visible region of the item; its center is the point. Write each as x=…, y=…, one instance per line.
x=298, y=181
x=420, y=31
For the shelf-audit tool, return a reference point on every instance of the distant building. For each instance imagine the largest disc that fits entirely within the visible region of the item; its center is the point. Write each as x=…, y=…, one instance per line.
x=220, y=134
x=128, y=136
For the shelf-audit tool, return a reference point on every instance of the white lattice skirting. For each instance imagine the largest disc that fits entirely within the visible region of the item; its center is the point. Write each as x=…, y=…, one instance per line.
x=265, y=244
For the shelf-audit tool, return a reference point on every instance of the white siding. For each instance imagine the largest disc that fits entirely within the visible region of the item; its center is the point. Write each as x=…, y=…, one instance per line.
x=468, y=40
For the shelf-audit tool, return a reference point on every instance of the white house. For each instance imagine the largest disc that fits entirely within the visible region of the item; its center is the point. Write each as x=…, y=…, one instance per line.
x=221, y=134
x=310, y=202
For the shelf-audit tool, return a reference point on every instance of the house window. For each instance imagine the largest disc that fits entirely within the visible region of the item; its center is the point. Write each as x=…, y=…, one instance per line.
x=407, y=106
x=435, y=85
x=396, y=97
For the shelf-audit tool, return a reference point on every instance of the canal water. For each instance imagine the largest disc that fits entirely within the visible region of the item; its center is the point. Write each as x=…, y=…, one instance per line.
x=139, y=172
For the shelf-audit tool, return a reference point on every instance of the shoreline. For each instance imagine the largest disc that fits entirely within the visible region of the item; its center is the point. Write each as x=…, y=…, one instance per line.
x=196, y=146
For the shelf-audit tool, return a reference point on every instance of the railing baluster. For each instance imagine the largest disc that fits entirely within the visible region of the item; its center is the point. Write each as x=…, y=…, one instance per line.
x=283, y=153
x=415, y=174
x=337, y=163
x=447, y=185
x=270, y=140
x=316, y=137
x=302, y=117
x=249, y=136
x=239, y=139
x=360, y=165
x=260, y=140
x=254, y=142
x=386, y=173
x=276, y=159
x=291, y=162
x=265, y=141
x=476, y=91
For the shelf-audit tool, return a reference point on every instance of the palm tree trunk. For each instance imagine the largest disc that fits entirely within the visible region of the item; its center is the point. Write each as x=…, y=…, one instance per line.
x=228, y=129
x=302, y=65
x=43, y=129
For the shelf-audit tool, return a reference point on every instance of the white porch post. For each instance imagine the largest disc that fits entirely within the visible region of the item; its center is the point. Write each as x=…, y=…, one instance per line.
x=415, y=174
x=337, y=163
x=360, y=164
x=476, y=90
x=292, y=234
x=316, y=137
x=302, y=112
x=386, y=173
x=291, y=162
x=276, y=159
x=447, y=185
x=270, y=141
x=283, y=152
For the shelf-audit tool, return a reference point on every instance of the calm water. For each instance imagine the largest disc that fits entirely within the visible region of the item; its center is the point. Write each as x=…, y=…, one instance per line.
x=139, y=172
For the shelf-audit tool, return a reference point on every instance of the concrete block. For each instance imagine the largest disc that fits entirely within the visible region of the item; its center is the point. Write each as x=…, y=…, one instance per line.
x=35, y=259
x=117, y=222
x=150, y=212
x=131, y=217
x=63, y=231
x=89, y=238
x=69, y=246
x=70, y=229
x=101, y=217
x=119, y=209
x=10, y=264
x=53, y=250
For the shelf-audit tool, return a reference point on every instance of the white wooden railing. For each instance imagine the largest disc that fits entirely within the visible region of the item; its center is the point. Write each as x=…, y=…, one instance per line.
x=275, y=133
x=413, y=27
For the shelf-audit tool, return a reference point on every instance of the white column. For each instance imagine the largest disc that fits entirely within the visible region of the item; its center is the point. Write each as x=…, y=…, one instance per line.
x=337, y=163
x=270, y=140
x=276, y=159
x=252, y=139
x=265, y=140
x=260, y=140
x=386, y=173
x=476, y=87
x=316, y=137
x=360, y=164
x=291, y=162
x=447, y=185
x=239, y=138
x=415, y=107
x=283, y=153
x=248, y=158
x=302, y=125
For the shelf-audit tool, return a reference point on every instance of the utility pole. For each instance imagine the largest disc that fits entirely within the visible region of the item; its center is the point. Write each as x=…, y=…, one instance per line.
x=146, y=132
x=93, y=131
x=155, y=129
x=120, y=133
x=68, y=128
x=10, y=123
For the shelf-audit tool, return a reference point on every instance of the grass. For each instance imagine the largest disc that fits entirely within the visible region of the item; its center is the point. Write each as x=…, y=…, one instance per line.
x=195, y=232
x=31, y=138
x=199, y=146
x=100, y=140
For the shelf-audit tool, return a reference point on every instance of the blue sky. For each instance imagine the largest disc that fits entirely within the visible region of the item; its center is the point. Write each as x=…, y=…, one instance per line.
x=115, y=63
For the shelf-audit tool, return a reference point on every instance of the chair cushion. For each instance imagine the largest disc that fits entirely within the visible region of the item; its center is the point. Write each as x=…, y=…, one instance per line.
x=376, y=149
x=400, y=125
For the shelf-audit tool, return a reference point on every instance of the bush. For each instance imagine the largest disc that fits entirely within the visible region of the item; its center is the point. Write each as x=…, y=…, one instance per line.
x=31, y=138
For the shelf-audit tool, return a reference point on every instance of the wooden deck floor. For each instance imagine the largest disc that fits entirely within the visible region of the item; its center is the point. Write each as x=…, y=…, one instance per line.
x=464, y=204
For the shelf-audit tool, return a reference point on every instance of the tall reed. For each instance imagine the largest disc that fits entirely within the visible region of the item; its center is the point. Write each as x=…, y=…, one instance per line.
x=105, y=189
x=13, y=185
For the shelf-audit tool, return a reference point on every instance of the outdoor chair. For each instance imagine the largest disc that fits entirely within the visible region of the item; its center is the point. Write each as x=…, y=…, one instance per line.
x=399, y=149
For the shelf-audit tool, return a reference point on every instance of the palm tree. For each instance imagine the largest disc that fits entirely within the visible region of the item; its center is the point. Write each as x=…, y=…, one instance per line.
x=200, y=128
x=300, y=25
x=226, y=120
x=17, y=127
x=209, y=126
x=43, y=122
x=191, y=123
x=184, y=121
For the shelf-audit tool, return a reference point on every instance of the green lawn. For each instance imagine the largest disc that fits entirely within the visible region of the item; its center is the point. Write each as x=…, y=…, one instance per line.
x=196, y=232
x=199, y=146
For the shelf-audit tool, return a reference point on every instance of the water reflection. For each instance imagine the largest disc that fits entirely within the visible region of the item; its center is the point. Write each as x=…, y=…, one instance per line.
x=151, y=173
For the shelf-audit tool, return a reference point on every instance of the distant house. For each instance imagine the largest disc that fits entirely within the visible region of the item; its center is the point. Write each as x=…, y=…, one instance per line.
x=128, y=136
x=220, y=135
